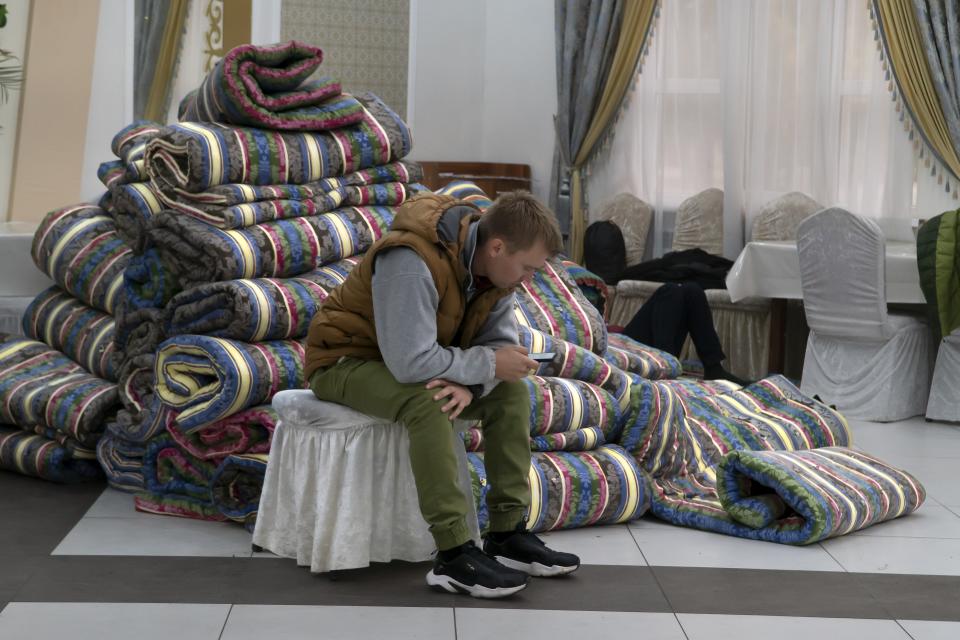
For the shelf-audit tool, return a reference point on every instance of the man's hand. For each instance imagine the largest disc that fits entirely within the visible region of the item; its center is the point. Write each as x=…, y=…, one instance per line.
x=459, y=396
x=513, y=363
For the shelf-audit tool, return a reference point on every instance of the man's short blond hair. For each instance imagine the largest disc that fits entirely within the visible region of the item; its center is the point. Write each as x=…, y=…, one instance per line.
x=519, y=219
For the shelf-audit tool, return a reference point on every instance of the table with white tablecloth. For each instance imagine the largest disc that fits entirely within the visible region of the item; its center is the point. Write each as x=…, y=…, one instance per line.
x=772, y=270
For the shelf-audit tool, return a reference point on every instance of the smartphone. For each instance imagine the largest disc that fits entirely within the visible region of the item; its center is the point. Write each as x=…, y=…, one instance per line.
x=545, y=356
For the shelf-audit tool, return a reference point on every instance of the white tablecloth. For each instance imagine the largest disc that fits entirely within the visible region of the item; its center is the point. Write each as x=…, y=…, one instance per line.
x=772, y=270
x=19, y=277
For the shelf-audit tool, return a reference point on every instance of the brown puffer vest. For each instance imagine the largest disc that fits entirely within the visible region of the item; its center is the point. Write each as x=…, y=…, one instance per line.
x=344, y=325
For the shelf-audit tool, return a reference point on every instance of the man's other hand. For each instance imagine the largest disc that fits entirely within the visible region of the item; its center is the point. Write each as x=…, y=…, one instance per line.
x=459, y=396
x=513, y=363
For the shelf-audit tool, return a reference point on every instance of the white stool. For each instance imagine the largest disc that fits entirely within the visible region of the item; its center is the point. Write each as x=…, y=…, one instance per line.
x=339, y=492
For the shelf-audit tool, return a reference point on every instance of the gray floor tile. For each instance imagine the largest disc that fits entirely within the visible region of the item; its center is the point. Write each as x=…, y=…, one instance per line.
x=720, y=627
x=247, y=622
x=780, y=593
x=112, y=621
x=915, y=597
x=931, y=630
x=482, y=624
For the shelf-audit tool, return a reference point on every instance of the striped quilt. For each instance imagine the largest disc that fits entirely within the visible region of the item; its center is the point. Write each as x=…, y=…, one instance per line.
x=255, y=310
x=31, y=454
x=234, y=206
x=122, y=462
x=138, y=331
x=176, y=483
x=592, y=286
x=570, y=415
x=79, y=249
x=247, y=432
x=134, y=206
x=198, y=253
x=236, y=486
x=575, y=489
x=197, y=156
x=44, y=391
x=639, y=359
x=266, y=86
x=128, y=145
x=802, y=497
x=208, y=379
x=83, y=334
x=148, y=283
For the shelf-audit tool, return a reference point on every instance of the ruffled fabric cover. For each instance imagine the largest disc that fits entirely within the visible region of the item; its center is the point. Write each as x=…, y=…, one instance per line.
x=944, y=402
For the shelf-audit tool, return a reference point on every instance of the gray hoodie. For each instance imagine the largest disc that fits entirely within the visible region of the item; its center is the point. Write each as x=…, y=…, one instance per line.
x=405, y=303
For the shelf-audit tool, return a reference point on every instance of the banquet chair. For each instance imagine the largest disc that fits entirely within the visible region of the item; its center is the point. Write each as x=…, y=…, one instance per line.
x=870, y=363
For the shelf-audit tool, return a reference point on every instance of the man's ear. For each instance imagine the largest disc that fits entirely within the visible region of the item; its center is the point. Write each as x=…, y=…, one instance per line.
x=496, y=246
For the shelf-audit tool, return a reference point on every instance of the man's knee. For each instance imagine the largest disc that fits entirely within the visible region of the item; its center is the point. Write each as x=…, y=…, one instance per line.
x=693, y=293
x=421, y=407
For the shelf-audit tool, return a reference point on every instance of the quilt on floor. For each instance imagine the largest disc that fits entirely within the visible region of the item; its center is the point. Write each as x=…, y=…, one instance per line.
x=176, y=483
x=267, y=86
x=197, y=156
x=121, y=461
x=31, y=454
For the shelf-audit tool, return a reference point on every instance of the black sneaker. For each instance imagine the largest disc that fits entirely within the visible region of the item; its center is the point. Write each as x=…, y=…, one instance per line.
x=526, y=552
x=475, y=573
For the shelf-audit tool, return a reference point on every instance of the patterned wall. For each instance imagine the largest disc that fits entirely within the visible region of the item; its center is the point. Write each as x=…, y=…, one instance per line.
x=364, y=42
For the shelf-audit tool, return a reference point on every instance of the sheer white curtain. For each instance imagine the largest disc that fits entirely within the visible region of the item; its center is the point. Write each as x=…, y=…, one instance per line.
x=760, y=98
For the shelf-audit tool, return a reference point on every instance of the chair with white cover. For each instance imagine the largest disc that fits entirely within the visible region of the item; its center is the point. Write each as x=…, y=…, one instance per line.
x=944, y=401
x=871, y=364
x=339, y=491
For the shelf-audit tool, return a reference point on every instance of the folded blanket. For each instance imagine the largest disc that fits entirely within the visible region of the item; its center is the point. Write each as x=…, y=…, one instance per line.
x=40, y=388
x=264, y=86
x=570, y=415
x=122, y=462
x=233, y=206
x=247, y=432
x=82, y=333
x=136, y=383
x=552, y=303
x=138, y=331
x=134, y=206
x=208, y=379
x=148, y=283
x=197, y=253
x=576, y=363
x=255, y=310
x=236, y=486
x=637, y=358
x=142, y=426
x=575, y=489
x=196, y=157
x=175, y=482
x=33, y=455
x=802, y=497
x=78, y=247
x=129, y=145
x=469, y=191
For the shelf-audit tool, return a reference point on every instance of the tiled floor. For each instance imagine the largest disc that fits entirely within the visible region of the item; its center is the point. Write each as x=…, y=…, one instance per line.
x=79, y=562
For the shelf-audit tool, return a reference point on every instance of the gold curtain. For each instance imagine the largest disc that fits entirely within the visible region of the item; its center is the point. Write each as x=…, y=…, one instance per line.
x=637, y=18
x=166, y=61
x=904, y=45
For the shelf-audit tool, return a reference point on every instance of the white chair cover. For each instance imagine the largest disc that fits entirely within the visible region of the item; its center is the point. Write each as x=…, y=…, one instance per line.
x=868, y=363
x=779, y=219
x=633, y=216
x=700, y=223
x=944, y=402
x=339, y=492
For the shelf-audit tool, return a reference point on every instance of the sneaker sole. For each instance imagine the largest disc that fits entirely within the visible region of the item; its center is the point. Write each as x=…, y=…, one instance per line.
x=477, y=591
x=536, y=569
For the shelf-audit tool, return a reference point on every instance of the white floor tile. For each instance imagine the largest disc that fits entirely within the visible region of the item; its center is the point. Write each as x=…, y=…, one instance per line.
x=153, y=535
x=111, y=621
x=257, y=622
x=938, y=476
x=912, y=438
x=931, y=520
x=482, y=624
x=670, y=546
x=719, y=627
x=113, y=504
x=931, y=629
x=877, y=554
x=597, y=545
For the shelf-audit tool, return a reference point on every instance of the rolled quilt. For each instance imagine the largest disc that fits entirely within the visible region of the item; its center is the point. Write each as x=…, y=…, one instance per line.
x=246, y=432
x=255, y=310
x=208, y=379
x=197, y=253
x=236, y=486
x=572, y=489
x=134, y=206
x=122, y=461
x=195, y=157
x=552, y=303
x=33, y=455
x=801, y=497
x=78, y=247
x=570, y=415
x=635, y=357
x=129, y=145
x=82, y=333
x=175, y=482
x=265, y=86
x=233, y=206
x=40, y=388
x=469, y=191
x=592, y=286
x=577, y=363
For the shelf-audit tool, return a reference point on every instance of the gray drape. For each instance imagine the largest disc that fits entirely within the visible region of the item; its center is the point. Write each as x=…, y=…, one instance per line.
x=586, y=34
x=939, y=24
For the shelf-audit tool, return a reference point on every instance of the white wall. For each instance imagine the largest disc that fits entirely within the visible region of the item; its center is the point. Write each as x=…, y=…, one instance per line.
x=482, y=82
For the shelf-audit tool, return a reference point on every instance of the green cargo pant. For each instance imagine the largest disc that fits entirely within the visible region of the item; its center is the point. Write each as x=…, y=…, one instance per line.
x=368, y=387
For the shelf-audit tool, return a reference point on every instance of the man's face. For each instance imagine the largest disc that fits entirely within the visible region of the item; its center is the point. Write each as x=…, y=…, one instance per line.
x=506, y=269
